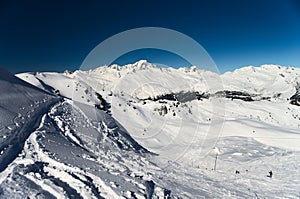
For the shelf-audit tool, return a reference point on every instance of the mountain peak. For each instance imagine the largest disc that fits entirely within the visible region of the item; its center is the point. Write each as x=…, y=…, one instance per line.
x=140, y=65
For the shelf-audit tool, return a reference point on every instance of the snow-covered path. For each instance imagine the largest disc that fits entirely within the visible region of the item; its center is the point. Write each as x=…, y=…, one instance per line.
x=14, y=142
x=75, y=158
x=21, y=108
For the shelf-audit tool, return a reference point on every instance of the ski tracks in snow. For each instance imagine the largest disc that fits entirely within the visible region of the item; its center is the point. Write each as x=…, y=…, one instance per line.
x=57, y=161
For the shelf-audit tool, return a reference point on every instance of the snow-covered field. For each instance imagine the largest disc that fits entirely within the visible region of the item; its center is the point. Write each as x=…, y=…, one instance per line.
x=140, y=131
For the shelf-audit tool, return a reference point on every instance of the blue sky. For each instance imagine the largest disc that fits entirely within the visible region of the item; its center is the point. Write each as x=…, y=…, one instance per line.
x=58, y=35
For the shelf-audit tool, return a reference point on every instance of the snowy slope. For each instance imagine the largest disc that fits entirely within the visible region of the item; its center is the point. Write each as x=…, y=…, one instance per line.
x=139, y=131
x=142, y=80
x=21, y=105
x=268, y=80
x=66, y=150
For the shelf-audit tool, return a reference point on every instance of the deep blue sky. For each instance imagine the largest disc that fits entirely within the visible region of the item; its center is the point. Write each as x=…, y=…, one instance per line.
x=57, y=35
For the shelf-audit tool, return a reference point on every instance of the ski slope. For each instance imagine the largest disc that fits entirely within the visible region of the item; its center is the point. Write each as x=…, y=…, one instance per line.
x=139, y=131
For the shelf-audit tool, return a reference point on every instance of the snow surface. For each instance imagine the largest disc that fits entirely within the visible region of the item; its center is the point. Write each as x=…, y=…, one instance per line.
x=143, y=143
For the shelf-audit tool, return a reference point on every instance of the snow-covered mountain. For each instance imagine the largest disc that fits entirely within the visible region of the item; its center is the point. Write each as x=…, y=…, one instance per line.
x=140, y=131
